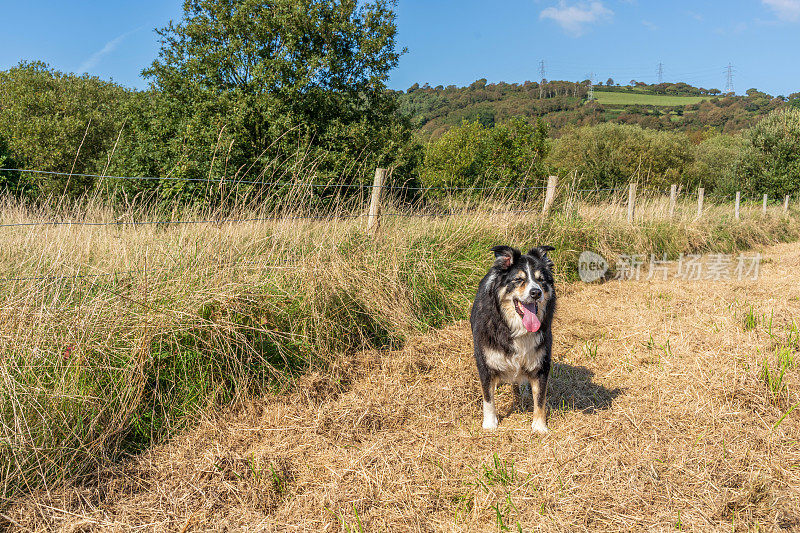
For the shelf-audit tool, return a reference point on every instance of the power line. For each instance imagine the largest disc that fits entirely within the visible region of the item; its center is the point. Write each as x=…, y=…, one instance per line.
x=568, y=70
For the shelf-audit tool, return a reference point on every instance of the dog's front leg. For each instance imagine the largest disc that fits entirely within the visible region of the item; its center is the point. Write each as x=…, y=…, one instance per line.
x=489, y=385
x=539, y=392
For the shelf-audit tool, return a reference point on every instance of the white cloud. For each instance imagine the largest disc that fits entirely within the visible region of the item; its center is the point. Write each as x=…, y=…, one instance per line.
x=574, y=18
x=735, y=29
x=696, y=16
x=109, y=47
x=785, y=9
x=649, y=25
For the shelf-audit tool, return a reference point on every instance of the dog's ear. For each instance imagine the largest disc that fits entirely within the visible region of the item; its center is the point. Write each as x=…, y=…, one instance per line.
x=541, y=253
x=505, y=256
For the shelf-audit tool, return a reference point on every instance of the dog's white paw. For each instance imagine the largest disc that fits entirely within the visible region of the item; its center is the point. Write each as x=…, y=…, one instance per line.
x=540, y=427
x=489, y=416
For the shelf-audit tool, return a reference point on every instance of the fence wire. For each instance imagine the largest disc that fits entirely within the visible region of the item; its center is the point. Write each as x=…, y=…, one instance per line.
x=275, y=218
x=222, y=221
x=281, y=183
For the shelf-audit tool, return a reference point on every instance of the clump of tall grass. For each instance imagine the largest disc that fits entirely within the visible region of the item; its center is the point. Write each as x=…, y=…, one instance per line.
x=113, y=336
x=786, y=358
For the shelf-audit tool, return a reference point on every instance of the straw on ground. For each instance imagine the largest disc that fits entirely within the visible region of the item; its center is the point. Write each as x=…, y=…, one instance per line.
x=665, y=422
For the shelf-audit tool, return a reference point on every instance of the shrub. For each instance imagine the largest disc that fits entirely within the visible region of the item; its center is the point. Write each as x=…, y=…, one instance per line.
x=773, y=164
x=717, y=162
x=473, y=155
x=611, y=155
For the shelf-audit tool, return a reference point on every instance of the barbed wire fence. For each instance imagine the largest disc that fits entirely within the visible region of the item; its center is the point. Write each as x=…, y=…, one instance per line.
x=373, y=215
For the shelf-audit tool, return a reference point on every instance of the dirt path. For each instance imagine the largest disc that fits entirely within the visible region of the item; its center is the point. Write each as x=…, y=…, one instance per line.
x=659, y=414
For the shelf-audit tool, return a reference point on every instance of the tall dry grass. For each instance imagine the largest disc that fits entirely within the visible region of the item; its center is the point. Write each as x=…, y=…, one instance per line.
x=115, y=336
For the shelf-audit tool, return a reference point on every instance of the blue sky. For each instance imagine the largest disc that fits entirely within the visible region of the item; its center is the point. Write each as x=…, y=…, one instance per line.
x=457, y=42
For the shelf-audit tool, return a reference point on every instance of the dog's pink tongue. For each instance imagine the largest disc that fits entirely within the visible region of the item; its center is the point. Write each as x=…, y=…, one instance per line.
x=529, y=318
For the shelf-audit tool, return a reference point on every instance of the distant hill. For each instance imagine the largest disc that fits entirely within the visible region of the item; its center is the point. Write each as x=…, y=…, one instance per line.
x=664, y=106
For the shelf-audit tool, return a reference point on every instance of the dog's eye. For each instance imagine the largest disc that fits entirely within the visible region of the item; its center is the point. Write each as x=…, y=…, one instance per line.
x=519, y=280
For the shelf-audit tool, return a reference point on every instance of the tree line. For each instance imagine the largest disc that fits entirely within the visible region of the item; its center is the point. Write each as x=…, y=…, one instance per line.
x=288, y=91
x=762, y=159
x=563, y=104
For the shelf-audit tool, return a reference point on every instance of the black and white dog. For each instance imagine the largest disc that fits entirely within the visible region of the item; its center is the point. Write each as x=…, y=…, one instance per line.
x=511, y=320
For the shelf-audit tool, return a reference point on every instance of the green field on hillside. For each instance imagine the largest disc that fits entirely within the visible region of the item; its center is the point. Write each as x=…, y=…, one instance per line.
x=620, y=98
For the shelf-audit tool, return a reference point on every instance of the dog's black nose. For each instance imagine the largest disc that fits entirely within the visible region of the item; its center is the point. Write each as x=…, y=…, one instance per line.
x=536, y=293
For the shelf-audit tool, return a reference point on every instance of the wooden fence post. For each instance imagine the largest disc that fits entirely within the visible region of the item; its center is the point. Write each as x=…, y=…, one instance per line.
x=631, y=201
x=701, y=192
x=738, y=199
x=673, y=196
x=373, y=218
x=550, y=195
x=786, y=204
x=764, y=205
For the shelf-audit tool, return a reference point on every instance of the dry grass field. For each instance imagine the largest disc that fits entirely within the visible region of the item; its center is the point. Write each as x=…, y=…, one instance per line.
x=668, y=411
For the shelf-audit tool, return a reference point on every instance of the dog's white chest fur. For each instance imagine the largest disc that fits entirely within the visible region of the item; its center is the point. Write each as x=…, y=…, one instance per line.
x=513, y=367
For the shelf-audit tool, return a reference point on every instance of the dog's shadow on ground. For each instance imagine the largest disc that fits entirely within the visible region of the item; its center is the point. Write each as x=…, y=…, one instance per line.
x=570, y=388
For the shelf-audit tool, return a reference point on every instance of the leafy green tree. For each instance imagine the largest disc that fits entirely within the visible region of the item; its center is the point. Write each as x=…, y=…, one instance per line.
x=9, y=179
x=456, y=159
x=773, y=164
x=472, y=155
x=242, y=87
x=59, y=122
